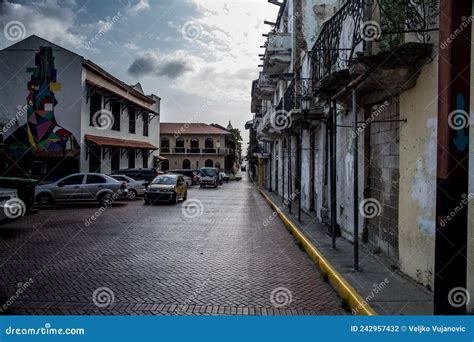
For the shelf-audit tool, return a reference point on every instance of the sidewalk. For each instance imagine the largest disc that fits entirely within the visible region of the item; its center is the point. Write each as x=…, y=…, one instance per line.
x=388, y=292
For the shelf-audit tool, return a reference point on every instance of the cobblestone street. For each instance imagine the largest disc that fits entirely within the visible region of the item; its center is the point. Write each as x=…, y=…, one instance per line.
x=161, y=259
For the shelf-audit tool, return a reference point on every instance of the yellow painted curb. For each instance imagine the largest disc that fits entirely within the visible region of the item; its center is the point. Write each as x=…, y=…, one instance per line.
x=357, y=304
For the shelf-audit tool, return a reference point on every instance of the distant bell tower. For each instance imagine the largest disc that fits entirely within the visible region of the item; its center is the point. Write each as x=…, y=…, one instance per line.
x=229, y=126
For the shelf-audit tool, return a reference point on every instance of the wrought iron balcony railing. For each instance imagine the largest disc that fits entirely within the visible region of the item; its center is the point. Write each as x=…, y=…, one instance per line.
x=298, y=89
x=385, y=24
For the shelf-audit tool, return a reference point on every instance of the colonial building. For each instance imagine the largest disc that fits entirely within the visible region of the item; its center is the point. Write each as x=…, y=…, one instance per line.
x=62, y=113
x=196, y=145
x=346, y=110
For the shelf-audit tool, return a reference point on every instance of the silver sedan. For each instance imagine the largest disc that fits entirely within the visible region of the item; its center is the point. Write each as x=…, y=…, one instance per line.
x=82, y=187
x=135, y=187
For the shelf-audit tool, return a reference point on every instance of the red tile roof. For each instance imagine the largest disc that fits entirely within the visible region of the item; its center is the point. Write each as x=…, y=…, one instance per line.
x=190, y=128
x=104, y=141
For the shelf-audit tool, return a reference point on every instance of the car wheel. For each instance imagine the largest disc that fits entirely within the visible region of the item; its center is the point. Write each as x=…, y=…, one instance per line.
x=185, y=197
x=201, y=186
x=132, y=194
x=105, y=199
x=175, y=198
x=44, y=199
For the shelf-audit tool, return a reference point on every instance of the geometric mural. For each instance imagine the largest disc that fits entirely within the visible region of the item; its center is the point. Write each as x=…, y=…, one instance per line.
x=41, y=134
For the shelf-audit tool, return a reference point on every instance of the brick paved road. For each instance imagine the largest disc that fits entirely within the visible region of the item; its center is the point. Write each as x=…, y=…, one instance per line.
x=155, y=260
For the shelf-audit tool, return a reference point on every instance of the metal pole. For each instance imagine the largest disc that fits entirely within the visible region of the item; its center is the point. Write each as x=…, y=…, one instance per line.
x=282, y=172
x=333, y=175
x=300, y=165
x=356, y=184
x=270, y=156
x=290, y=185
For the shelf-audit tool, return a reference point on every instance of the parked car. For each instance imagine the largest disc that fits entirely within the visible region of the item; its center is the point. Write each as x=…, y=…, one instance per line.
x=25, y=188
x=135, y=188
x=193, y=174
x=140, y=174
x=82, y=187
x=208, y=176
x=188, y=180
x=11, y=206
x=168, y=187
x=224, y=177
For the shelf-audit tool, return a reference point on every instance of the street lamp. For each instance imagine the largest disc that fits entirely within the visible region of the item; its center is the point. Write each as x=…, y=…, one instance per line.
x=305, y=103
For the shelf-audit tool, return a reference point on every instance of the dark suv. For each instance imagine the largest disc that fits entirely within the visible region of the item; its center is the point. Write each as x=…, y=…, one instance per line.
x=141, y=174
x=193, y=174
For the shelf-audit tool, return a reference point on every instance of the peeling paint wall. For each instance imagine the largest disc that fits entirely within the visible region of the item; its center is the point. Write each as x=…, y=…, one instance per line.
x=345, y=173
x=417, y=202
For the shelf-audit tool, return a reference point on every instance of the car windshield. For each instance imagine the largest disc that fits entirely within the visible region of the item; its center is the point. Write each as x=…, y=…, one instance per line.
x=208, y=172
x=167, y=180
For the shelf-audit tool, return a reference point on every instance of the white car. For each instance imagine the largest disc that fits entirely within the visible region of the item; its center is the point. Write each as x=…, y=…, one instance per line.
x=11, y=206
x=135, y=187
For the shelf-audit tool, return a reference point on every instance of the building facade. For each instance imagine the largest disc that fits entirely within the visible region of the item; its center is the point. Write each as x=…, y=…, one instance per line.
x=196, y=145
x=62, y=113
x=346, y=111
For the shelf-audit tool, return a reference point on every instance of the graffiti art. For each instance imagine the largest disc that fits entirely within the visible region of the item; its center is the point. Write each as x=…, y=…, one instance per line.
x=41, y=134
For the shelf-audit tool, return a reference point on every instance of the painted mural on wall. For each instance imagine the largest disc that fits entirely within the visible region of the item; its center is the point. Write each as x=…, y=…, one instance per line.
x=41, y=135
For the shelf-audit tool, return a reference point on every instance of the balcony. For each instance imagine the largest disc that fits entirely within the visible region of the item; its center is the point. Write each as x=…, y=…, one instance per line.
x=266, y=86
x=179, y=150
x=382, y=34
x=278, y=53
x=193, y=150
x=165, y=150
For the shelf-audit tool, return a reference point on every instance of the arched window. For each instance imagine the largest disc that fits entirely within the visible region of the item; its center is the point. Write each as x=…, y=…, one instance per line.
x=195, y=146
x=179, y=145
x=208, y=163
x=209, y=145
x=186, y=164
x=165, y=145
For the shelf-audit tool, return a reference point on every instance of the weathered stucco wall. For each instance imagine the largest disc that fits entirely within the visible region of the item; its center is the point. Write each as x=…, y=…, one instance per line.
x=417, y=201
x=345, y=173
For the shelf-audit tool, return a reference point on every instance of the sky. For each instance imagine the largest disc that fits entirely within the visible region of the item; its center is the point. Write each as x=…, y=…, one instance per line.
x=199, y=56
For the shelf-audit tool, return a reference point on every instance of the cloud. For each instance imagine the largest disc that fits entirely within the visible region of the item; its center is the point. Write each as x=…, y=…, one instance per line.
x=152, y=63
x=49, y=19
x=140, y=6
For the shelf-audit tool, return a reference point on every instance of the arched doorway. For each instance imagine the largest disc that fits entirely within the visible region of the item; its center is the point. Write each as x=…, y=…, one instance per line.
x=209, y=145
x=165, y=145
x=186, y=164
x=208, y=163
x=195, y=146
x=165, y=165
x=179, y=146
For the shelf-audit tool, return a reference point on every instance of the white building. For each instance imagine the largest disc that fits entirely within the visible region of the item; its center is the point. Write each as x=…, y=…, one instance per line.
x=62, y=113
